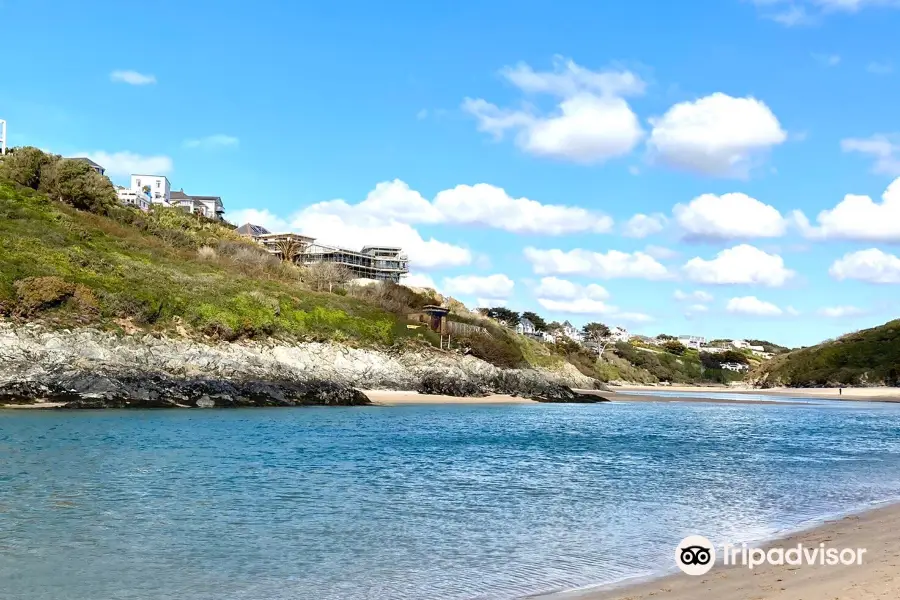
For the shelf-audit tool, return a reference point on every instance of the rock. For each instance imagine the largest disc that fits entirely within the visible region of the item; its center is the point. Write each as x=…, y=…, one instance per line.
x=444, y=385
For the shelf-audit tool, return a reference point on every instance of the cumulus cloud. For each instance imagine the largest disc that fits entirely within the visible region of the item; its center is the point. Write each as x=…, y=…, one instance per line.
x=610, y=265
x=419, y=280
x=219, y=140
x=553, y=287
x=695, y=309
x=858, y=218
x=729, y=216
x=490, y=286
x=563, y=296
x=263, y=217
x=695, y=296
x=872, y=265
x=641, y=225
x=883, y=148
x=743, y=264
x=128, y=163
x=660, y=252
x=716, y=135
x=131, y=77
x=791, y=13
x=751, y=305
x=591, y=124
x=836, y=312
x=480, y=204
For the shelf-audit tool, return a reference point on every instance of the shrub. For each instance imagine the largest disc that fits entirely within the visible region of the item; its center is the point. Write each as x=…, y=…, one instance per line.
x=77, y=184
x=24, y=166
x=34, y=294
x=207, y=253
x=499, y=351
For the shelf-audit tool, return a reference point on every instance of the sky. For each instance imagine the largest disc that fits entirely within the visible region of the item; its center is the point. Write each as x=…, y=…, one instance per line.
x=722, y=168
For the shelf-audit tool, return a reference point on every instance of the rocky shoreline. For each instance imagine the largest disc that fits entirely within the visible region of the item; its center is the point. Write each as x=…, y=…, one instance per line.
x=88, y=368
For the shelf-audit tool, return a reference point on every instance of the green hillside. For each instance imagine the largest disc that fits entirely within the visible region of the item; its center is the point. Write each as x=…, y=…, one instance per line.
x=867, y=357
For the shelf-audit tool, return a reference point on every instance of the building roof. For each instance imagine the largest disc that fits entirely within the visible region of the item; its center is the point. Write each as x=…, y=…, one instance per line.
x=85, y=159
x=251, y=229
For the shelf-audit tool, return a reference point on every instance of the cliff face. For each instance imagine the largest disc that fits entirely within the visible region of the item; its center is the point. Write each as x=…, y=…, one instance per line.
x=87, y=367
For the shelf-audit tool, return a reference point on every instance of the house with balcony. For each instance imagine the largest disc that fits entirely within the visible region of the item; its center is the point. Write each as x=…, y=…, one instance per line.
x=692, y=341
x=210, y=207
x=136, y=198
x=380, y=263
x=157, y=187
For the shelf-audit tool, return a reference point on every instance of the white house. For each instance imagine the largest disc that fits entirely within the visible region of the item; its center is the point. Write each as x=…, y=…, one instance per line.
x=619, y=334
x=136, y=198
x=210, y=207
x=733, y=366
x=692, y=341
x=526, y=327
x=572, y=332
x=155, y=186
x=739, y=344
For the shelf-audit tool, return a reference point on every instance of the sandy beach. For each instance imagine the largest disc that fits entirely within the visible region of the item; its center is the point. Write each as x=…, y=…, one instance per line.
x=876, y=578
x=876, y=394
x=394, y=398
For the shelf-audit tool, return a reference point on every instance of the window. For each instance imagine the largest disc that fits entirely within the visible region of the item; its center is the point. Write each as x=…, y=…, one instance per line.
x=157, y=183
x=139, y=183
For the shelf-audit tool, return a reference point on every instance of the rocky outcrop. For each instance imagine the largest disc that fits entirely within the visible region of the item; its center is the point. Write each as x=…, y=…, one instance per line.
x=90, y=368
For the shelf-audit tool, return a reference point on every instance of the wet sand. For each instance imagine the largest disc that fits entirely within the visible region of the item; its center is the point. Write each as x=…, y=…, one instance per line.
x=878, y=577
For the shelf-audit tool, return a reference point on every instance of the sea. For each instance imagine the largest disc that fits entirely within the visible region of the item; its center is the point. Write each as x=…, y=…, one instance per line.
x=446, y=502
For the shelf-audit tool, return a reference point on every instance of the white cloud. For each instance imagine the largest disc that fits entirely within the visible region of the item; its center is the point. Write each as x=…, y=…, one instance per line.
x=641, y=225
x=491, y=286
x=743, y=264
x=419, y=280
x=263, y=217
x=696, y=296
x=219, y=140
x=695, y=309
x=660, y=252
x=128, y=163
x=581, y=306
x=836, y=312
x=791, y=13
x=611, y=265
x=827, y=60
x=491, y=302
x=480, y=204
x=751, y=305
x=562, y=289
x=884, y=148
x=880, y=68
x=872, y=265
x=858, y=218
x=729, y=216
x=592, y=122
x=715, y=135
x=132, y=78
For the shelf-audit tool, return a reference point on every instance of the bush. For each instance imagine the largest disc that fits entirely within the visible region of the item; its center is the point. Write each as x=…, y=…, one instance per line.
x=207, y=253
x=24, y=166
x=499, y=351
x=75, y=183
x=34, y=294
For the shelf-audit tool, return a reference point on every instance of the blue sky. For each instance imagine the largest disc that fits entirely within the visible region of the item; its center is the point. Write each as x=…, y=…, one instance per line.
x=509, y=146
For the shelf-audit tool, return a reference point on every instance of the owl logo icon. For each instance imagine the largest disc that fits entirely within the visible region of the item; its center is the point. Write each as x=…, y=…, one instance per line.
x=695, y=555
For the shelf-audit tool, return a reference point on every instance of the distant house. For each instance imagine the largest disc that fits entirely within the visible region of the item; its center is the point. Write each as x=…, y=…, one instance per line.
x=136, y=198
x=156, y=186
x=90, y=163
x=572, y=332
x=525, y=327
x=739, y=344
x=619, y=334
x=692, y=341
x=251, y=230
x=733, y=366
x=210, y=207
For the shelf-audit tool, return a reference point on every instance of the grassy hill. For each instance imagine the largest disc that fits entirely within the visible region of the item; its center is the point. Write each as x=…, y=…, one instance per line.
x=867, y=357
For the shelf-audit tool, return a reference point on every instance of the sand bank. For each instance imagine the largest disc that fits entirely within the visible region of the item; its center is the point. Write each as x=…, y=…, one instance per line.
x=878, y=577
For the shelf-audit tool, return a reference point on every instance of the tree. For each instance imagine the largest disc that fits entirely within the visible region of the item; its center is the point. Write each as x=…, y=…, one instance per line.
x=675, y=347
x=597, y=333
x=326, y=274
x=75, y=183
x=537, y=320
x=289, y=247
x=508, y=317
x=664, y=337
x=24, y=166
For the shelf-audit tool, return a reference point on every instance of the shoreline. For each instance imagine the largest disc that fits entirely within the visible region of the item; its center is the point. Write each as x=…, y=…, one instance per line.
x=862, y=394
x=870, y=528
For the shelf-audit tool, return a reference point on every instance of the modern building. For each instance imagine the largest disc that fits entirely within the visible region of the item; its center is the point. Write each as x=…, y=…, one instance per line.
x=90, y=163
x=2, y=137
x=136, y=198
x=619, y=334
x=381, y=263
x=210, y=207
x=692, y=341
x=155, y=186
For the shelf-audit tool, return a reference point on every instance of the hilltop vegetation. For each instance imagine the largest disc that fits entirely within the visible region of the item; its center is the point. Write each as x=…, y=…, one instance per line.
x=867, y=357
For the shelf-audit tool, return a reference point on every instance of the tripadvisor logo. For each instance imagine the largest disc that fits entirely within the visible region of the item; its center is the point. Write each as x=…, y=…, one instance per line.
x=695, y=555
